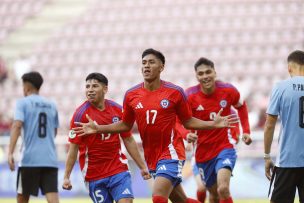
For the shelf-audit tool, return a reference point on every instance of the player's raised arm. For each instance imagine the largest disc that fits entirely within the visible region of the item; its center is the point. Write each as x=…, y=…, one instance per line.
x=92, y=127
x=218, y=122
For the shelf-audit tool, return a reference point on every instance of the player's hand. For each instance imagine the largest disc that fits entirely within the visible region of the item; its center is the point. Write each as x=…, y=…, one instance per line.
x=66, y=185
x=225, y=121
x=85, y=128
x=269, y=166
x=191, y=137
x=145, y=174
x=247, y=139
x=11, y=162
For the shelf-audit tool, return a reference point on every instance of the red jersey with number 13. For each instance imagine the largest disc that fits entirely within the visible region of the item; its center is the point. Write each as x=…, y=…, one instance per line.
x=100, y=155
x=155, y=114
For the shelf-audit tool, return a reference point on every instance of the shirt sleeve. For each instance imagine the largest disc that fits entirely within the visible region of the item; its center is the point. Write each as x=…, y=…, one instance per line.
x=274, y=103
x=73, y=138
x=19, y=111
x=128, y=115
x=183, y=109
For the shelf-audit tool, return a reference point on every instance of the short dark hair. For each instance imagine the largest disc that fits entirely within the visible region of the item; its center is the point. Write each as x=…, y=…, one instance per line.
x=204, y=61
x=156, y=53
x=34, y=78
x=296, y=57
x=98, y=76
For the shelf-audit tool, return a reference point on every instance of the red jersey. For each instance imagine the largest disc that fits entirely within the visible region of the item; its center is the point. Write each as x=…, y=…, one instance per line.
x=155, y=113
x=100, y=155
x=205, y=107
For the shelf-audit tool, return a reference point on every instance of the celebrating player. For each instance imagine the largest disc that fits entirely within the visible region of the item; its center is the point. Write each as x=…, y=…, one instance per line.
x=102, y=163
x=215, y=154
x=154, y=105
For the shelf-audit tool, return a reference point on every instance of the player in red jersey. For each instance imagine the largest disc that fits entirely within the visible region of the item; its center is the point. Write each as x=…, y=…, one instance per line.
x=191, y=136
x=215, y=154
x=102, y=163
x=154, y=105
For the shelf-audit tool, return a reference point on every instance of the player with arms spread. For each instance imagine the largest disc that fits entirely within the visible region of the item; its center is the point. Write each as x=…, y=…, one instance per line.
x=154, y=105
x=102, y=163
x=287, y=102
x=215, y=154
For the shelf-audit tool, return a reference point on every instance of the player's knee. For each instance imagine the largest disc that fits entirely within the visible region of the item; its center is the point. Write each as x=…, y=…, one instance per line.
x=223, y=191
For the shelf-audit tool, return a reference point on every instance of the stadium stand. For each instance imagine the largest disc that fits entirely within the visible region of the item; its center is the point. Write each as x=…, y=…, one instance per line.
x=248, y=40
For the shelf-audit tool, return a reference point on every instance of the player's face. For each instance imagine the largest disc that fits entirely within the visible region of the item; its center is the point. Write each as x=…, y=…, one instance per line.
x=95, y=91
x=206, y=76
x=151, y=67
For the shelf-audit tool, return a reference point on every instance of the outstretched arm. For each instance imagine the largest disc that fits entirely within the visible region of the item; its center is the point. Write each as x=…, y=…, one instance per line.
x=92, y=127
x=218, y=122
x=15, y=133
x=268, y=137
x=69, y=164
x=132, y=149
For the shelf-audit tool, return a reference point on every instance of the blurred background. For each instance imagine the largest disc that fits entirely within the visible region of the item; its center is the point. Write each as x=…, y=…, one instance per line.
x=249, y=41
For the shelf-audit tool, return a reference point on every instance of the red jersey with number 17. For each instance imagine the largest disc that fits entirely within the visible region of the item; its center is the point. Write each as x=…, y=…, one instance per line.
x=100, y=155
x=205, y=107
x=155, y=113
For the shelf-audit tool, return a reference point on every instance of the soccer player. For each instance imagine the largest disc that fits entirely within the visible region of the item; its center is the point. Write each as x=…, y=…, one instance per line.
x=215, y=154
x=39, y=119
x=154, y=105
x=191, y=146
x=102, y=163
x=287, y=102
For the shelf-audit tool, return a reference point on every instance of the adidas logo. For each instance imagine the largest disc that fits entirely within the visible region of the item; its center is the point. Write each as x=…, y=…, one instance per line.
x=162, y=168
x=200, y=108
x=227, y=161
x=139, y=106
x=126, y=192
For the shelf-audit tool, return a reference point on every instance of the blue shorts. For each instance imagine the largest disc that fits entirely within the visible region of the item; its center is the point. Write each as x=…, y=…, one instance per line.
x=115, y=187
x=225, y=159
x=170, y=169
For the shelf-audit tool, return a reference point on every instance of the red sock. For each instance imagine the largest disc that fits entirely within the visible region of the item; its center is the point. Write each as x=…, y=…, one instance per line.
x=229, y=200
x=201, y=196
x=159, y=199
x=189, y=200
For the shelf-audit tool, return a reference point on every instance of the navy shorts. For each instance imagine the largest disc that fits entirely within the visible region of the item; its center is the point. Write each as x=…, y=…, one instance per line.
x=225, y=159
x=170, y=169
x=115, y=187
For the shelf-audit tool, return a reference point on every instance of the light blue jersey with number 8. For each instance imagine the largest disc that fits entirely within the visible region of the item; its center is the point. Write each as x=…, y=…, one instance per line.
x=40, y=119
x=287, y=101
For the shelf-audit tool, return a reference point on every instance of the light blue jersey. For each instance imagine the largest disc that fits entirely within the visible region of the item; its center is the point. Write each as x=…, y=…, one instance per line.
x=287, y=101
x=40, y=118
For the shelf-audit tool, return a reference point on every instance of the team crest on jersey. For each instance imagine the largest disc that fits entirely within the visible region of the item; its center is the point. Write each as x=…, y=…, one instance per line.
x=72, y=134
x=164, y=103
x=115, y=119
x=223, y=103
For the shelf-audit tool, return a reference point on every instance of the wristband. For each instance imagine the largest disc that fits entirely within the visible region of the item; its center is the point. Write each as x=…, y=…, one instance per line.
x=267, y=156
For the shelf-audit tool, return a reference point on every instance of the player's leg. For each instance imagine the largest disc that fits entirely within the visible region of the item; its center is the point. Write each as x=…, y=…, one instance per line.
x=201, y=188
x=207, y=171
x=224, y=167
x=121, y=187
x=49, y=184
x=223, y=181
x=283, y=186
x=27, y=183
x=301, y=184
x=213, y=195
x=98, y=191
x=167, y=176
x=23, y=198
